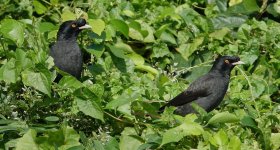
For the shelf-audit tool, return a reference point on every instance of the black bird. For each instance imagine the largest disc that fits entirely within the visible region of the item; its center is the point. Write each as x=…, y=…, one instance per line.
x=207, y=91
x=66, y=52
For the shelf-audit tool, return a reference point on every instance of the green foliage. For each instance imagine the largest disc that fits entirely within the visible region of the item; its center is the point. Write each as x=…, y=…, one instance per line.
x=139, y=55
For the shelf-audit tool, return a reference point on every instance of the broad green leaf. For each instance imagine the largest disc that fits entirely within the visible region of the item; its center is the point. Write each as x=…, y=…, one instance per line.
x=70, y=82
x=71, y=138
x=150, y=36
x=188, y=127
x=39, y=7
x=98, y=25
x=118, y=52
x=248, y=121
x=220, y=139
x=128, y=140
x=13, y=30
x=275, y=138
x=134, y=34
x=168, y=37
x=160, y=50
x=27, y=141
x=38, y=80
x=98, y=145
x=228, y=21
x=219, y=34
x=67, y=15
x=96, y=49
x=136, y=58
x=46, y=27
x=223, y=117
x=234, y=143
x=112, y=144
x=125, y=47
x=187, y=50
x=22, y=60
x=121, y=26
x=8, y=72
x=90, y=108
x=121, y=100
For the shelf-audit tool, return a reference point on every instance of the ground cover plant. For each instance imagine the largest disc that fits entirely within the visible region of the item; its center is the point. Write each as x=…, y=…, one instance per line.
x=139, y=55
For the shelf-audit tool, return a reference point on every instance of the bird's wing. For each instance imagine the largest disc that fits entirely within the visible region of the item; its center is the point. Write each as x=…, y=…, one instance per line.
x=201, y=87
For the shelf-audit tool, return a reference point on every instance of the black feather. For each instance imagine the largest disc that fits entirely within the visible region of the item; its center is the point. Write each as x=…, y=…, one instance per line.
x=207, y=91
x=66, y=52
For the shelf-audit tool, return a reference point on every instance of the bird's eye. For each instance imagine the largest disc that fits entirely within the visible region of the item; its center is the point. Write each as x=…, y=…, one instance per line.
x=73, y=25
x=226, y=61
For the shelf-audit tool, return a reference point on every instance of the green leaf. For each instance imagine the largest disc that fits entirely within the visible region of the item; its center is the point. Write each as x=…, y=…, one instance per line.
x=219, y=139
x=13, y=30
x=39, y=80
x=46, y=27
x=223, y=117
x=90, y=108
x=27, y=141
x=275, y=138
x=234, y=143
x=228, y=21
x=121, y=26
x=114, y=104
x=52, y=118
x=128, y=140
x=148, y=69
x=136, y=58
x=187, y=50
x=71, y=138
x=189, y=127
x=168, y=37
x=118, y=52
x=70, y=82
x=39, y=7
x=248, y=121
x=67, y=15
x=98, y=145
x=98, y=25
x=8, y=72
x=96, y=49
x=219, y=34
x=112, y=144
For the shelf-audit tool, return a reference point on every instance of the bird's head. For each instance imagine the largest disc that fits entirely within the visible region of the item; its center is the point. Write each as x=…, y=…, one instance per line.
x=225, y=64
x=69, y=30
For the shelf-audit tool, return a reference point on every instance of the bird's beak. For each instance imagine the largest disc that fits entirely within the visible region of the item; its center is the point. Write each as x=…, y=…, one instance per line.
x=238, y=63
x=86, y=26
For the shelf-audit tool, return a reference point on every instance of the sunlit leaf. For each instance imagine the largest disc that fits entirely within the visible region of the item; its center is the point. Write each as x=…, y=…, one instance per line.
x=223, y=117
x=27, y=141
x=13, y=30
x=39, y=80
x=98, y=25
x=39, y=7
x=189, y=127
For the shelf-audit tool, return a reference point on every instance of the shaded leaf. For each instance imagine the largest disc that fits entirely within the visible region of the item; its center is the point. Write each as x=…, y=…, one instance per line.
x=121, y=26
x=90, y=108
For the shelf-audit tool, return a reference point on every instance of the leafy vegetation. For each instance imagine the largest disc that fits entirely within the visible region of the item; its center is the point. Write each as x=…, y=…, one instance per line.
x=138, y=55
